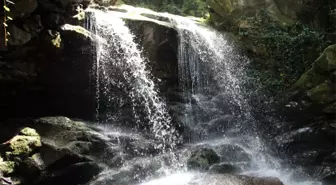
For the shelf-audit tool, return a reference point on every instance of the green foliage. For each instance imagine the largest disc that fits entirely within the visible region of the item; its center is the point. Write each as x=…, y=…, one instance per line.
x=6, y=18
x=290, y=51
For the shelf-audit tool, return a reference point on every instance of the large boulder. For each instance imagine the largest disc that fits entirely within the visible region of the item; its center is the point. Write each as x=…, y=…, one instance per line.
x=232, y=153
x=223, y=179
x=202, y=159
x=225, y=168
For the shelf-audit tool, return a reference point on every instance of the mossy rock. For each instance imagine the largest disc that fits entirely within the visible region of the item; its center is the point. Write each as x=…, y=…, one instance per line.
x=24, y=145
x=29, y=132
x=6, y=167
x=327, y=61
x=321, y=70
x=202, y=159
x=323, y=93
x=309, y=80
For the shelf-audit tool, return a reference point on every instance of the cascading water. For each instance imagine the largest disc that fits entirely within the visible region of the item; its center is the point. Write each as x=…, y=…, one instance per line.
x=212, y=67
x=121, y=67
x=211, y=76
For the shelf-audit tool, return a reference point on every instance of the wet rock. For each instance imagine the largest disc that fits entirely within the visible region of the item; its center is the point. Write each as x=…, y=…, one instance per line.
x=306, y=145
x=224, y=179
x=324, y=172
x=132, y=172
x=225, y=168
x=80, y=147
x=31, y=167
x=202, y=159
x=141, y=147
x=232, y=153
x=67, y=159
x=105, y=2
x=78, y=173
x=221, y=124
x=266, y=181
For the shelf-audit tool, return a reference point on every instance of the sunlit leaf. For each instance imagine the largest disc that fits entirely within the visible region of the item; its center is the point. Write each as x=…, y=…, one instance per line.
x=11, y=2
x=8, y=33
x=5, y=24
x=6, y=8
x=9, y=18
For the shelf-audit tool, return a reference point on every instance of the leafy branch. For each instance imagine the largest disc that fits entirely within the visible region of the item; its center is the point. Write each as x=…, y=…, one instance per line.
x=6, y=18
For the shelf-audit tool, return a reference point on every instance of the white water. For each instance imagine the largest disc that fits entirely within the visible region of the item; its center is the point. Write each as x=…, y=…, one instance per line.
x=199, y=46
x=120, y=64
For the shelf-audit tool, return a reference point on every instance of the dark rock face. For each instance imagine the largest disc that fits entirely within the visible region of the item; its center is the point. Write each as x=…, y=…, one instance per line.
x=309, y=136
x=316, y=86
x=285, y=12
x=160, y=45
x=51, y=64
x=202, y=159
x=232, y=153
x=225, y=168
x=45, y=70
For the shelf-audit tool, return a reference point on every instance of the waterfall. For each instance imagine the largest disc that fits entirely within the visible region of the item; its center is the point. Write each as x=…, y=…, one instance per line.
x=122, y=77
x=211, y=75
x=212, y=67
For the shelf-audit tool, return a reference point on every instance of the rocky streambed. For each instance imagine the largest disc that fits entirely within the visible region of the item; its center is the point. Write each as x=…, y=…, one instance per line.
x=58, y=150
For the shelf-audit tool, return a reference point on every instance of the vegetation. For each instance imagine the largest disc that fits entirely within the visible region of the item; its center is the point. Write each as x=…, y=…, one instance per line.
x=182, y=7
x=290, y=51
x=6, y=18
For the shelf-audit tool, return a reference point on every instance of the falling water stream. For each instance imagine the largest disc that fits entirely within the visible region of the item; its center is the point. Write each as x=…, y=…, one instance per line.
x=121, y=65
x=210, y=70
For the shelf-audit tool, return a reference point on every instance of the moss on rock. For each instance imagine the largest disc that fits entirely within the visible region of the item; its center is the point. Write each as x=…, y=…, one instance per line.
x=323, y=93
x=29, y=132
x=327, y=61
x=202, y=159
x=6, y=167
x=24, y=145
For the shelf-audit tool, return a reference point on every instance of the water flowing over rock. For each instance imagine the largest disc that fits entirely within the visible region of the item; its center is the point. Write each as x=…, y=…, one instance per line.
x=211, y=76
x=120, y=65
x=171, y=101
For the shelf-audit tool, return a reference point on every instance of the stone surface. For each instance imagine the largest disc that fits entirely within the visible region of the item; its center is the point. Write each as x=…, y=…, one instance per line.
x=317, y=85
x=232, y=153
x=202, y=159
x=6, y=167
x=74, y=152
x=234, y=9
x=18, y=36
x=283, y=11
x=23, y=8
x=24, y=145
x=225, y=168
